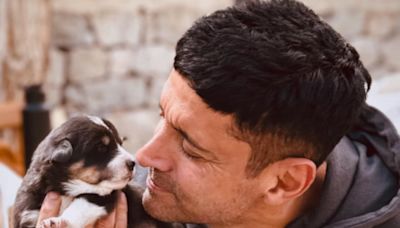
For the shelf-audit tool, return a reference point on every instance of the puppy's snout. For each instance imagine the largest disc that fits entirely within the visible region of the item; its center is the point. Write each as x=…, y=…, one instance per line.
x=130, y=164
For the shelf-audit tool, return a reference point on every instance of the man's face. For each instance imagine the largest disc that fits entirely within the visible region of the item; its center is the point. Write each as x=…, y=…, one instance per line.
x=197, y=168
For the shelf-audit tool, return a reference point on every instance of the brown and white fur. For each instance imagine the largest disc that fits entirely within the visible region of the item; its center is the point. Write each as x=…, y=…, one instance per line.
x=85, y=162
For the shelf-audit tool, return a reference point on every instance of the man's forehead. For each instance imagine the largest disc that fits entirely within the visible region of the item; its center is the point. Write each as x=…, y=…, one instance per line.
x=180, y=85
x=182, y=102
x=178, y=94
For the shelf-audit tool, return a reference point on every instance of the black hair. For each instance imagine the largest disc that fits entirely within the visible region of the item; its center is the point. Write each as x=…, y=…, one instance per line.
x=281, y=72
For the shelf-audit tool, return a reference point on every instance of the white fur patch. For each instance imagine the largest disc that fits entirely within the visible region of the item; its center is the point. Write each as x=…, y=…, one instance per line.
x=81, y=213
x=118, y=165
x=98, y=121
x=65, y=202
x=120, y=159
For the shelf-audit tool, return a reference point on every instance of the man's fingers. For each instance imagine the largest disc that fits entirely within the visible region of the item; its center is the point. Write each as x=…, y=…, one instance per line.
x=121, y=216
x=50, y=207
x=117, y=218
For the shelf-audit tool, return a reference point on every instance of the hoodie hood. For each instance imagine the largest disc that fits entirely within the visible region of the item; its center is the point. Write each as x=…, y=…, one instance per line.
x=361, y=188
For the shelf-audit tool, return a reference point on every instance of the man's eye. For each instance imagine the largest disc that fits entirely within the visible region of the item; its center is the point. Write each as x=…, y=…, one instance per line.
x=189, y=154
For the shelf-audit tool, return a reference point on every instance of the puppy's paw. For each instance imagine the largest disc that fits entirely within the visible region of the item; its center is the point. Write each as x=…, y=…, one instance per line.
x=54, y=222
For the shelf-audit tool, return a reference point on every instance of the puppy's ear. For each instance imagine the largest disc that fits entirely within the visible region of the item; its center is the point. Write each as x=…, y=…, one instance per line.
x=62, y=152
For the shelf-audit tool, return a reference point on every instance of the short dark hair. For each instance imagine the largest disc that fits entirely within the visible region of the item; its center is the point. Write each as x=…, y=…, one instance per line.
x=293, y=85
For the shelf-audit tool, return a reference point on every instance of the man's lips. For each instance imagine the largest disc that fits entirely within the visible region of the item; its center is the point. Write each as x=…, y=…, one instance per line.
x=153, y=186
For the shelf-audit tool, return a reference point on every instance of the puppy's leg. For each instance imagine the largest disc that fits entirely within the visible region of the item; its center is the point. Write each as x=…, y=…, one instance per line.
x=77, y=215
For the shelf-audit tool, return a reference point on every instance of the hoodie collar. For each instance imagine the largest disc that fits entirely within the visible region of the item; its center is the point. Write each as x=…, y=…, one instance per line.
x=362, y=181
x=342, y=162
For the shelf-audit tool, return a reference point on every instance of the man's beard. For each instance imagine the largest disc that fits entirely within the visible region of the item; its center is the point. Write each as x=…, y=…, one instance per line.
x=170, y=205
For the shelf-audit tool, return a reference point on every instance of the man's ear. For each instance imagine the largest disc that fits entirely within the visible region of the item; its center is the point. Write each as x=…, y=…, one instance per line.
x=293, y=176
x=62, y=152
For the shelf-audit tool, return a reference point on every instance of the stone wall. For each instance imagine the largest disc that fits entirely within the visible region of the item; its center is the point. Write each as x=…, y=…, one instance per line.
x=110, y=58
x=373, y=27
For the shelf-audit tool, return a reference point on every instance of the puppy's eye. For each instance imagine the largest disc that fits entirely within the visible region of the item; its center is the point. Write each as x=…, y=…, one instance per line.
x=106, y=140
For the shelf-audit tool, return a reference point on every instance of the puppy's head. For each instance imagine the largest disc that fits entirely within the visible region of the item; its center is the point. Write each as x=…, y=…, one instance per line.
x=88, y=151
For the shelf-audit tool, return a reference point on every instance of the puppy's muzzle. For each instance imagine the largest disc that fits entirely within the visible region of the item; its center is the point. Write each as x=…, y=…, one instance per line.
x=130, y=165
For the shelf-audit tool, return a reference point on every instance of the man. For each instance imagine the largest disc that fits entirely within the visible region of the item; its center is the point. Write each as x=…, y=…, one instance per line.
x=264, y=124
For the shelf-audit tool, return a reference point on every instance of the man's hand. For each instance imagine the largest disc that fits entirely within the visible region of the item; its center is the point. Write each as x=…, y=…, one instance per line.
x=50, y=207
x=118, y=218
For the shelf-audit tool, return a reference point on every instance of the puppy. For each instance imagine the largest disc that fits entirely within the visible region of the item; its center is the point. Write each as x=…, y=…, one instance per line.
x=85, y=162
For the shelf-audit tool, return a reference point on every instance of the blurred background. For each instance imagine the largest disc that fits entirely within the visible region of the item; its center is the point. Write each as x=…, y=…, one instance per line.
x=111, y=57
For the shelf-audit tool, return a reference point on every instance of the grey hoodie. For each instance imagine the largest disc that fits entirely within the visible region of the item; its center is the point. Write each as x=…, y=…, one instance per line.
x=362, y=182
x=361, y=188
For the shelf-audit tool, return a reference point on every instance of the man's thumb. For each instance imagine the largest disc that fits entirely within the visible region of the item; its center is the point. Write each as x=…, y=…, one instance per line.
x=50, y=207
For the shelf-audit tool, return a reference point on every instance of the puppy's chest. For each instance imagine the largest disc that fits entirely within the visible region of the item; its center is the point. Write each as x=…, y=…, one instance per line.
x=65, y=202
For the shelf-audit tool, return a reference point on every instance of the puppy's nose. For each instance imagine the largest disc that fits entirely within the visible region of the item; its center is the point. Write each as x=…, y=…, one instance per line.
x=130, y=165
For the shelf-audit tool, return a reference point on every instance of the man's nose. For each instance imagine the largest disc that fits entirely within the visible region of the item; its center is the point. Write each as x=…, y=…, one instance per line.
x=157, y=153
